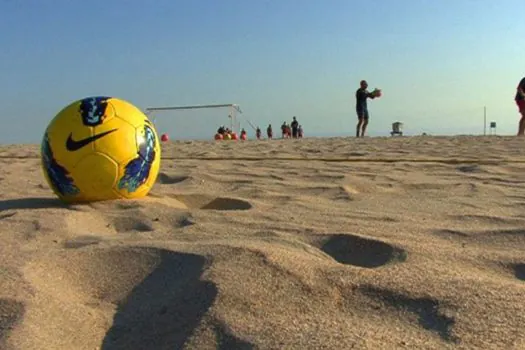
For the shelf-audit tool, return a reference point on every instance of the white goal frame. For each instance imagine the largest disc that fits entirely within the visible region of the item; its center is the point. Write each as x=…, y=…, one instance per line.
x=233, y=110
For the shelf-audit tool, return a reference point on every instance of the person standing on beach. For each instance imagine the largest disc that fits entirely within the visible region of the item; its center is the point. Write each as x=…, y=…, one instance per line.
x=361, y=107
x=284, y=130
x=520, y=101
x=269, y=131
x=295, y=127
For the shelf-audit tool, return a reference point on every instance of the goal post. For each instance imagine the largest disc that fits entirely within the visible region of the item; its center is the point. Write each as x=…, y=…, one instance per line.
x=233, y=111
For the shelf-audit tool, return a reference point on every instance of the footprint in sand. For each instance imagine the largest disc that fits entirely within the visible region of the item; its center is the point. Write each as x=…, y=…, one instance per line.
x=469, y=168
x=7, y=215
x=359, y=251
x=82, y=241
x=166, y=179
x=89, y=224
x=487, y=219
x=145, y=220
x=140, y=223
x=212, y=203
x=145, y=215
x=505, y=237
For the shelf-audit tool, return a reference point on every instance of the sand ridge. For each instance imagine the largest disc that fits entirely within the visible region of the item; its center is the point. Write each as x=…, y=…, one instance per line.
x=379, y=243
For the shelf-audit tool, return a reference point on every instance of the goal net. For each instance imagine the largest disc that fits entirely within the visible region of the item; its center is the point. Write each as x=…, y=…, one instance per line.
x=198, y=122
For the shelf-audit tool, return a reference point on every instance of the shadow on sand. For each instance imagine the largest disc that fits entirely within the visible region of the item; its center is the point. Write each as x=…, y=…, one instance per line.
x=31, y=203
x=427, y=310
x=11, y=312
x=164, y=309
x=519, y=271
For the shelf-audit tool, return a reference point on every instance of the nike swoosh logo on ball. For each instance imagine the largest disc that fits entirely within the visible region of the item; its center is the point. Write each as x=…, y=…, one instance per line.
x=75, y=145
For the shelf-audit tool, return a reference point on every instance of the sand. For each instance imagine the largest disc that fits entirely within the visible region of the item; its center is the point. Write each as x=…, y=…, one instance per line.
x=377, y=243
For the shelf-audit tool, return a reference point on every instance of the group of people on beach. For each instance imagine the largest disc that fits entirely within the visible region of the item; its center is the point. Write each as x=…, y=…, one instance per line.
x=224, y=133
x=293, y=130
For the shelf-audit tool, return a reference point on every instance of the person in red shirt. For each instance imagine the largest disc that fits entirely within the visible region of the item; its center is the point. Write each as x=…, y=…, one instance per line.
x=520, y=101
x=284, y=130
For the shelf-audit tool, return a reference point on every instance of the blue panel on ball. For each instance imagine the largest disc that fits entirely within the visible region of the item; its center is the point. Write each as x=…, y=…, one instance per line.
x=59, y=177
x=93, y=109
x=137, y=170
x=147, y=147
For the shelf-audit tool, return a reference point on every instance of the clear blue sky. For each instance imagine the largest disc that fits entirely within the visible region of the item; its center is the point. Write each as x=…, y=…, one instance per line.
x=438, y=61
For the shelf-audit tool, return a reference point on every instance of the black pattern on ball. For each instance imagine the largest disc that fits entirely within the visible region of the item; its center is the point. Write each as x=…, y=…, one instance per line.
x=93, y=110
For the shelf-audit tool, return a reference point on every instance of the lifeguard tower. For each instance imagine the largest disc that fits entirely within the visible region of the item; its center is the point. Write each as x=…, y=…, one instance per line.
x=397, y=129
x=492, y=130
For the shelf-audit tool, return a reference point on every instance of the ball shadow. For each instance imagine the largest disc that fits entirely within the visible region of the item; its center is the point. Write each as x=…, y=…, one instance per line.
x=31, y=203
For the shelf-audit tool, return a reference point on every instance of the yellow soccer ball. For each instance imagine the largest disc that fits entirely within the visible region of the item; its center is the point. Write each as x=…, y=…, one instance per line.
x=100, y=148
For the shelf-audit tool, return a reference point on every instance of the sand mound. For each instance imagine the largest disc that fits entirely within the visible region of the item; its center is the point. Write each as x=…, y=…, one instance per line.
x=164, y=308
x=376, y=243
x=157, y=295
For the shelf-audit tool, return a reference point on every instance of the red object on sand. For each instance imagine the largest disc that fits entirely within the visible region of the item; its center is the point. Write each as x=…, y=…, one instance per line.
x=218, y=136
x=164, y=138
x=234, y=136
x=243, y=137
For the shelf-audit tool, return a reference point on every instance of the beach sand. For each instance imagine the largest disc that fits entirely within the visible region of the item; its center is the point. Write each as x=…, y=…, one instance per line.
x=375, y=243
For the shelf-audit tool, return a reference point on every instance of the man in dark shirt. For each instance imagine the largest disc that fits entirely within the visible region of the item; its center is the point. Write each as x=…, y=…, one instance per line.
x=295, y=127
x=361, y=108
x=520, y=101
